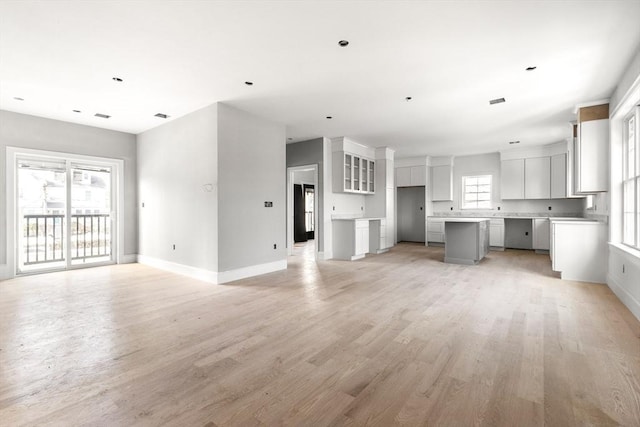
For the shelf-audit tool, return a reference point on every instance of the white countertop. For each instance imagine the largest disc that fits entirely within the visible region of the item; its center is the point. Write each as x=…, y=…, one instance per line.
x=348, y=217
x=466, y=219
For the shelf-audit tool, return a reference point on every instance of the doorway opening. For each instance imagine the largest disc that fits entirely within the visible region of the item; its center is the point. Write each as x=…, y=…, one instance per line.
x=302, y=211
x=65, y=211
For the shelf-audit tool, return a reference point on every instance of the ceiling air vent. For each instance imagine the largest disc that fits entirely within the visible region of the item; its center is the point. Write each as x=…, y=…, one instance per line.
x=497, y=101
x=102, y=116
x=162, y=116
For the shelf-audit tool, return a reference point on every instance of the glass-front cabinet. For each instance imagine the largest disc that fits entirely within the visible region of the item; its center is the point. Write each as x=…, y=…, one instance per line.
x=357, y=174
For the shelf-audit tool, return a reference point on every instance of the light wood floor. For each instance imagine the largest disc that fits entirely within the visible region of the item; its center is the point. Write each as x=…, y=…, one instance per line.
x=397, y=338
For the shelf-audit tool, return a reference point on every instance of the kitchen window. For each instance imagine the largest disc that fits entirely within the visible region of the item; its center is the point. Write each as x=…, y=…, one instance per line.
x=631, y=181
x=476, y=192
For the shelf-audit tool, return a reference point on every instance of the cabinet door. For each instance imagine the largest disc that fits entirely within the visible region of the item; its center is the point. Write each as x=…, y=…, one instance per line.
x=418, y=175
x=362, y=237
x=592, y=156
x=365, y=175
x=348, y=172
x=537, y=178
x=496, y=235
x=372, y=175
x=512, y=179
x=356, y=173
x=559, y=176
x=541, y=233
x=441, y=183
x=403, y=177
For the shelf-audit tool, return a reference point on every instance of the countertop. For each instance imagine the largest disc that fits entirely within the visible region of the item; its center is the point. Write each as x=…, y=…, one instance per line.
x=349, y=217
x=466, y=219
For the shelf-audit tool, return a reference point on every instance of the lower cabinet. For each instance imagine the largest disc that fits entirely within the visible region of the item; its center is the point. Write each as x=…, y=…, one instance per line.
x=435, y=230
x=496, y=233
x=355, y=237
x=362, y=237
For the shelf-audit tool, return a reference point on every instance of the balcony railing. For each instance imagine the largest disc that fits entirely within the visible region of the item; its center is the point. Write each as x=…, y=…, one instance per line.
x=44, y=237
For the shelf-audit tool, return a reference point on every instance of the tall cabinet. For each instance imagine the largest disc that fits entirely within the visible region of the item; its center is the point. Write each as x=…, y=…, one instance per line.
x=592, y=149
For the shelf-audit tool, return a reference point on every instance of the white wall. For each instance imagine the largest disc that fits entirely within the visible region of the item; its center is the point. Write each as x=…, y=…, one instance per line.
x=177, y=165
x=251, y=170
x=24, y=131
x=623, y=276
x=489, y=164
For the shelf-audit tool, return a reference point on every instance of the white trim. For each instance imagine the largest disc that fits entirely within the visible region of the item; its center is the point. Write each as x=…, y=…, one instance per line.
x=213, y=277
x=5, y=272
x=184, y=270
x=623, y=295
x=318, y=227
x=12, y=153
x=254, y=270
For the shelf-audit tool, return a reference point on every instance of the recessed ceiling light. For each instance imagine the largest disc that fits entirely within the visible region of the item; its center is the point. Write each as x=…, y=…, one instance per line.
x=77, y=111
x=329, y=117
x=161, y=115
x=408, y=98
x=249, y=83
x=531, y=68
x=496, y=101
x=17, y=98
x=116, y=79
x=102, y=116
x=289, y=139
x=514, y=142
x=343, y=43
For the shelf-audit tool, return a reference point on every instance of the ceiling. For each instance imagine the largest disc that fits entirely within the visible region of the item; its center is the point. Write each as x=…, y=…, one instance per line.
x=450, y=57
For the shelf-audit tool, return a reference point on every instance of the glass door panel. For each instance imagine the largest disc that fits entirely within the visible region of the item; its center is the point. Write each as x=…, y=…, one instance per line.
x=41, y=216
x=356, y=173
x=90, y=230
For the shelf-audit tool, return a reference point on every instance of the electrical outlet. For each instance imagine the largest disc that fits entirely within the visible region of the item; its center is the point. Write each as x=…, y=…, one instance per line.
x=526, y=233
x=361, y=208
x=334, y=208
x=549, y=207
x=174, y=247
x=143, y=204
x=275, y=246
x=451, y=207
x=498, y=207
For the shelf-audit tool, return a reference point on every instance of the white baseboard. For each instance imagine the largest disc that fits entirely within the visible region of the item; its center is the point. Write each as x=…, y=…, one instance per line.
x=5, y=272
x=129, y=259
x=253, y=270
x=184, y=270
x=212, y=276
x=627, y=299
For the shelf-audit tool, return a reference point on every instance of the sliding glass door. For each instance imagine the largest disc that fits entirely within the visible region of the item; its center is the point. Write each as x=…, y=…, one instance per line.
x=65, y=214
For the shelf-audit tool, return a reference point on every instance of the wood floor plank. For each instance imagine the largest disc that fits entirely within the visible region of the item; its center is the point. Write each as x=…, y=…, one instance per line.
x=393, y=339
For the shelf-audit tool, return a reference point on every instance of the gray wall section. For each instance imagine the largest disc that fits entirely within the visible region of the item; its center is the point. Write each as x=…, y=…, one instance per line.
x=310, y=153
x=411, y=218
x=252, y=170
x=177, y=178
x=24, y=131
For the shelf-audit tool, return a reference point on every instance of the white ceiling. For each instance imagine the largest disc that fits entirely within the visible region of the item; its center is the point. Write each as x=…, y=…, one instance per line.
x=451, y=57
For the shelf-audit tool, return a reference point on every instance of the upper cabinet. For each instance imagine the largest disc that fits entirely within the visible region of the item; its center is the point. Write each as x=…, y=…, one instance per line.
x=537, y=178
x=591, y=149
x=559, y=176
x=512, y=179
x=441, y=183
x=353, y=167
x=535, y=173
x=411, y=176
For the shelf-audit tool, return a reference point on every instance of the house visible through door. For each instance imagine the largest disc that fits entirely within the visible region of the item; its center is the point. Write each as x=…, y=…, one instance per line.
x=64, y=214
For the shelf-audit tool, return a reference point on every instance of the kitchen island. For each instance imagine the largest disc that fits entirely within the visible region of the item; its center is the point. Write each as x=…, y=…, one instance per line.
x=466, y=240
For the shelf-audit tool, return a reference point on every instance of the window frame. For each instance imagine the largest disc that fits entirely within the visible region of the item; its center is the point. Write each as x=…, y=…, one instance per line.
x=633, y=181
x=463, y=193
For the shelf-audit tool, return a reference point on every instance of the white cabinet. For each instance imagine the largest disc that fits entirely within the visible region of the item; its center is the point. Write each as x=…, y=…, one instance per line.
x=362, y=237
x=353, y=173
x=541, y=233
x=435, y=230
x=441, y=183
x=512, y=179
x=579, y=250
x=537, y=178
x=377, y=236
x=496, y=233
x=411, y=176
x=592, y=149
x=559, y=176
x=350, y=238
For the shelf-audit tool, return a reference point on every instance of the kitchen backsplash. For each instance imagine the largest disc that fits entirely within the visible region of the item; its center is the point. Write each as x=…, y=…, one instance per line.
x=501, y=213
